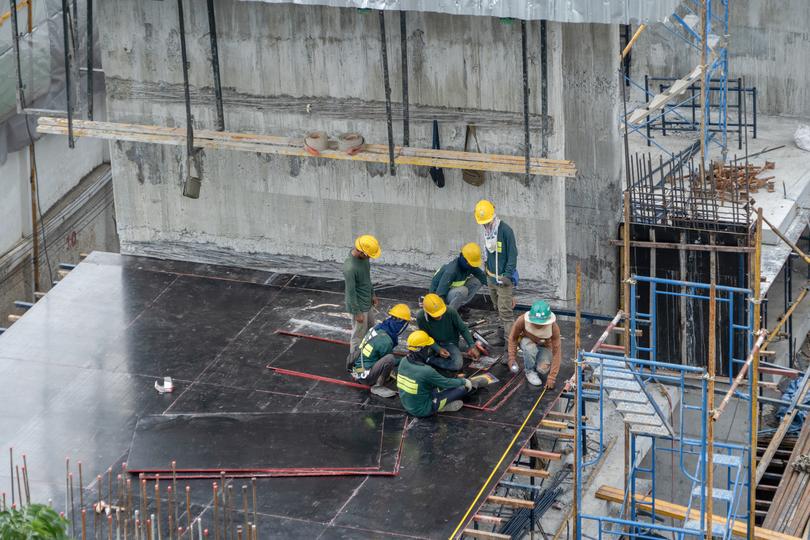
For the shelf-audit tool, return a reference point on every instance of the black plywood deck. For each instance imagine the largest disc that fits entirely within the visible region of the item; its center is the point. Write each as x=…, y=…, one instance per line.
x=78, y=372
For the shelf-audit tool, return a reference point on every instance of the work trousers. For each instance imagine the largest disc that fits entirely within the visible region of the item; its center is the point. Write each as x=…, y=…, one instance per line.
x=460, y=296
x=440, y=399
x=359, y=330
x=381, y=371
x=502, y=297
x=535, y=357
x=454, y=362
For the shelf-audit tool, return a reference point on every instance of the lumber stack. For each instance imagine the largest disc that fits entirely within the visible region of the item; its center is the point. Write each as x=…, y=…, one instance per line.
x=288, y=146
x=790, y=510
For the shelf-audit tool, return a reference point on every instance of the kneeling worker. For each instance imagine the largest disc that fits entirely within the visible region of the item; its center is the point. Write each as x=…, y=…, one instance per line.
x=539, y=339
x=444, y=325
x=458, y=281
x=375, y=361
x=422, y=390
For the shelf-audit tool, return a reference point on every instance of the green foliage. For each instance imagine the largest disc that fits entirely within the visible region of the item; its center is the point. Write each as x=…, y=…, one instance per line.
x=34, y=522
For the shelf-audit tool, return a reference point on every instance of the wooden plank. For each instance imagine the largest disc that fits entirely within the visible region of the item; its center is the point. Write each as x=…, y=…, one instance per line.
x=528, y=452
x=509, y=501
x=525, y=471
x=271, y=144
x=475, y=533
x=782, y=430
x=554, y=424
x=676, y=511
x=483, y=518
x=784, y=490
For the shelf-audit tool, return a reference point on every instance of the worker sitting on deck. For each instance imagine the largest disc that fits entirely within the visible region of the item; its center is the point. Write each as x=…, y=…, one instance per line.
x=422, y=390
x=359, y=290
x=445, y=326
x=375, y=361
x=539, y=339
x=458, y=281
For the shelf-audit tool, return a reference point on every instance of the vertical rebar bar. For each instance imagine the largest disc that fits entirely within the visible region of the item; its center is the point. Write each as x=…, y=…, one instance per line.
x=72, y=506
x=527, y=147
x=387, y=85
x=212, y=31
x=255, y=520
x=403, y=45
x=245, y=506
x=89, y=59
x=543, y=89
x=68, y=97
x=216, y=512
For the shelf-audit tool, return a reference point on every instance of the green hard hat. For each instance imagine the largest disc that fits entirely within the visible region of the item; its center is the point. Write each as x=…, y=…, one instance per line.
x=541, y=313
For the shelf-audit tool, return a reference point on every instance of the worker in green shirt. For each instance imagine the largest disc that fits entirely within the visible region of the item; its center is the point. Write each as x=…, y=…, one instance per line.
x=458, y=281
x=360, y=295
x=444, y=325
x=422, y=390
x=500, y=255
x=375, y=361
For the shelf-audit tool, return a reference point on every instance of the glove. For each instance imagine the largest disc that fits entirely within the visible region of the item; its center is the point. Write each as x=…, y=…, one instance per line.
x=550, y=383
x=513, y=366
x=505, y=282
x=468, y=384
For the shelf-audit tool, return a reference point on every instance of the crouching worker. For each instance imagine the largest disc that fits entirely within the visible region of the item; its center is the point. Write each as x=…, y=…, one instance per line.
x=539, y=339
x=375, y=361
x=445, y=326
x=422, y=390
x=458, y=281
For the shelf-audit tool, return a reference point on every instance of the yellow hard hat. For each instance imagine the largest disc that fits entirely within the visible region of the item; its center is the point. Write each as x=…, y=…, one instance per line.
x=484, y=212
x=434, y=305
x=368, y=245
x=401, y=311
x=472, y=254
x=419, y=339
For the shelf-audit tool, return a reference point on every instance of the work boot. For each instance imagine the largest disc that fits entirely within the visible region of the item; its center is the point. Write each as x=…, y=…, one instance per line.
x=533, y=377
x=499, y=340
x=453, y=406
x=382, y=391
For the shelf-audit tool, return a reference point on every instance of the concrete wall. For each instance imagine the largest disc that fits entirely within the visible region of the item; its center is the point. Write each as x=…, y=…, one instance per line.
x=290, y=69
x=769, y=45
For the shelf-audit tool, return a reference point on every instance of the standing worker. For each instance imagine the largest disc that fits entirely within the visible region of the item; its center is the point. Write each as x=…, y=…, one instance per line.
x=500, y=254
x=360, y=295
x=538, y=335
x=444, y=326
x=458, y=281
x=375, y=361
x=422, y=390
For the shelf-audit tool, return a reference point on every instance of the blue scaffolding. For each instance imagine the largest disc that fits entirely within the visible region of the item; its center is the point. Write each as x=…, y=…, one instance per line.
x=685, y=25
x=605, y=373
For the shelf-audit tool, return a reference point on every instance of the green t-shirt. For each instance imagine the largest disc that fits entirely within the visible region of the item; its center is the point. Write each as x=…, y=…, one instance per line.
x=374, y=346
x=416, y=383
x=444, y=330
x=359, y=290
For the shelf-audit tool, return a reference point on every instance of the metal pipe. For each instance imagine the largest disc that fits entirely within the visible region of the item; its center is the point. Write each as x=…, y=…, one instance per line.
x=387, y=84
x=212, y=32
x=743, y=370
x=15, y=31
x=709, y=471
x=403, y=45
x=525, y=63
x=543, y=89
x=89, y=59
x=66, y=44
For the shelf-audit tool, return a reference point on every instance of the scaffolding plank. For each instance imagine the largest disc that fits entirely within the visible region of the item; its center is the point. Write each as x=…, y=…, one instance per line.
x=509, y=501
x=232, y=442
x=269, y=144
x=667, y=509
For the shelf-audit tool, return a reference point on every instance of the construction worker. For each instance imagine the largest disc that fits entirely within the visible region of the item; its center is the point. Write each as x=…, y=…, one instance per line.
x=375, y=360
x=422, y=390
x=444, y=325
x=360, y=295
x=458, y=281
x=500, y=255
x=538, y=335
